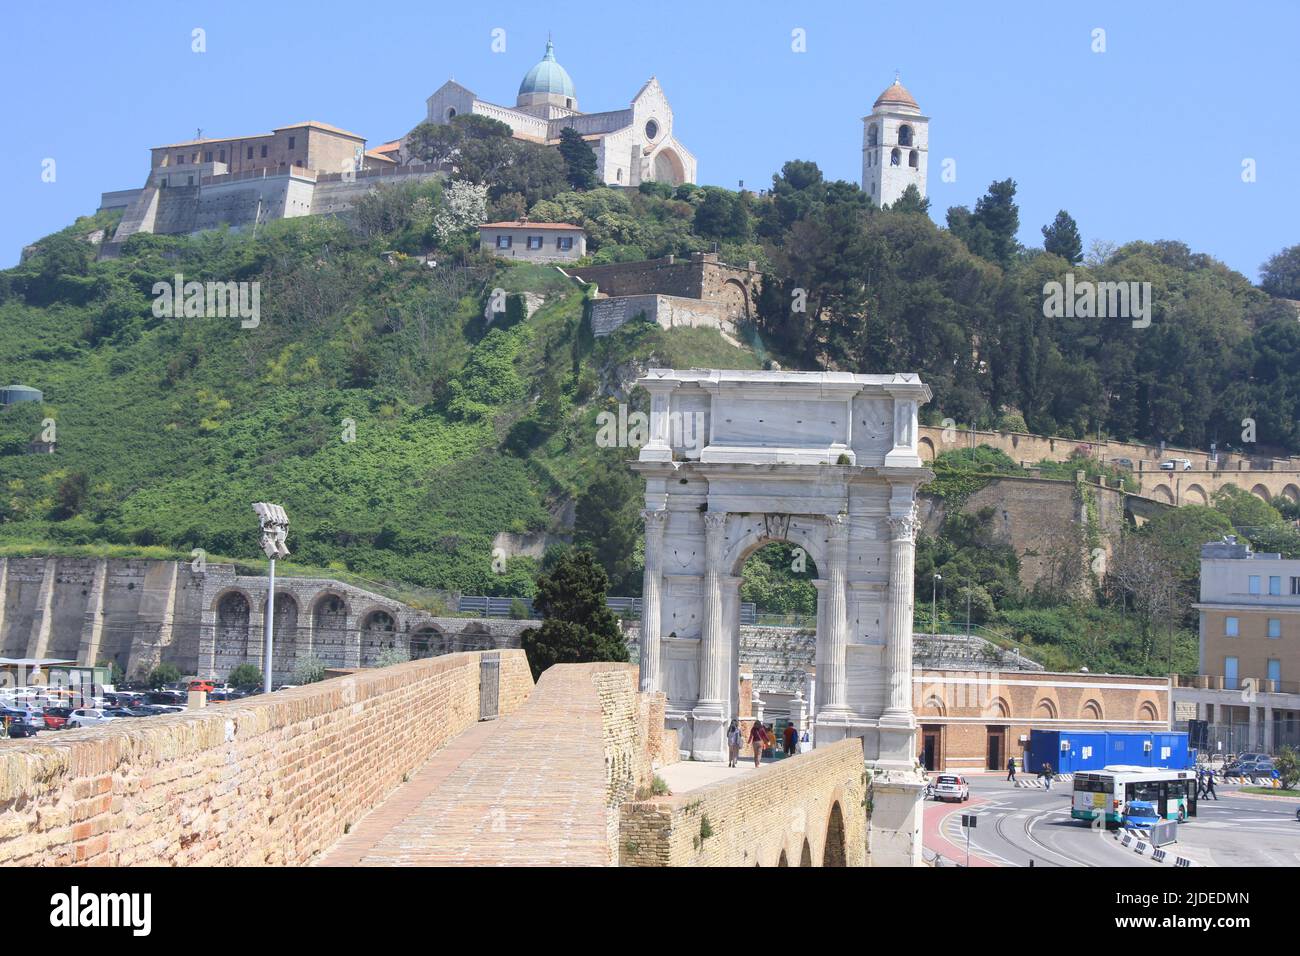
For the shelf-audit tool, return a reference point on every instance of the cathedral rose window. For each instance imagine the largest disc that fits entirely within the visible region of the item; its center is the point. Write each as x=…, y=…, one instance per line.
x=651, y=129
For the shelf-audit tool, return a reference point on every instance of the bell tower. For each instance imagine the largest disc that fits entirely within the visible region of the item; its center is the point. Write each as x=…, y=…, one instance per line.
x=895, y=146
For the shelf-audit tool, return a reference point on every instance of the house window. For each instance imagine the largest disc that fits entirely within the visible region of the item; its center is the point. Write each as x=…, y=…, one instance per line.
x=564, y=243
x=191, y=181
x=194, y=158
x=207, y=156
x=1275, y=670
x=1230, y=627
x=1229, y=673
x=534, y=242
x=291, y=141
x=264, y=152
x=180, y=161
x=221, y=158
x=503, y=242
x=1275, y=585
x=1274, y=627
x=1295, y=585
x=1254, y=584
x=250, y=152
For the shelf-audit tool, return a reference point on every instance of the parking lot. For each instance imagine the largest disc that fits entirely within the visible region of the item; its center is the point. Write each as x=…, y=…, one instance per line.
x=38, y=710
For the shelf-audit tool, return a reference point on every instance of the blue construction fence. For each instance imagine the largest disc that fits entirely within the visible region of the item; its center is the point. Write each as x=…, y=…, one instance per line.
x=1072, y=751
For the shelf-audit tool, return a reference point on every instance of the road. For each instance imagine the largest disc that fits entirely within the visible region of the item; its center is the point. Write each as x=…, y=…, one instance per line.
x=1019, y=826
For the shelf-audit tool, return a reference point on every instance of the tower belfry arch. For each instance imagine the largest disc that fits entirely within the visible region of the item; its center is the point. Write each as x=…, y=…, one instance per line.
x=827, y=461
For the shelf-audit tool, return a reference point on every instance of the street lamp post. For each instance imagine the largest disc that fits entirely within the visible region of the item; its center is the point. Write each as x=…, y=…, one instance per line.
x=275, y=526
x=934, y=604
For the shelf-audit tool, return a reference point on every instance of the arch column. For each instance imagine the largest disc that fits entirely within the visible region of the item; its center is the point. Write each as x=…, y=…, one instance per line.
x=898, y=625
x=834, y=673
x=651, y=613
x=709, y=714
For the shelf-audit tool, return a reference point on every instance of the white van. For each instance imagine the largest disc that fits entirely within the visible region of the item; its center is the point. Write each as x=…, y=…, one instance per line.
x=1176, y=464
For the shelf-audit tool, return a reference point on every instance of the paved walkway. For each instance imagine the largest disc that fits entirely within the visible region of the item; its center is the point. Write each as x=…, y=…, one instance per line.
x=527, y=789
x=687, y=775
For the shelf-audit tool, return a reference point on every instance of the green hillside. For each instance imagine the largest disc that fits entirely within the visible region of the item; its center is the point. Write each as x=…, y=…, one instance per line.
x=168, y=428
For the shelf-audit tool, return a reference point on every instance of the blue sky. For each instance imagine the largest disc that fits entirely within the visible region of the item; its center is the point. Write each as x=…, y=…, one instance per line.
x=1143, y=141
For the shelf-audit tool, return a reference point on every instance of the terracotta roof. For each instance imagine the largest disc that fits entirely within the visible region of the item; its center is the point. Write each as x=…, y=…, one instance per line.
x=387, y=147
x=896, y=95
x=324, y=126
x=516, y=224
x=211, y=139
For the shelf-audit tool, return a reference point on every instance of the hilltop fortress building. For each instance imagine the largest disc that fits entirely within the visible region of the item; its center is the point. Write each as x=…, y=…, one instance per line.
x=313, y=168
x=632, y=145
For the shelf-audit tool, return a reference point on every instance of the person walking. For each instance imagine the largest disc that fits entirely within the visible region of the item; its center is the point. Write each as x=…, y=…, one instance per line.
x=733, y=742
x=1011, y=768
x=1209, y=785
x=1047, y=776
x=1200, y=782
x=757, y=738
x=791, y=740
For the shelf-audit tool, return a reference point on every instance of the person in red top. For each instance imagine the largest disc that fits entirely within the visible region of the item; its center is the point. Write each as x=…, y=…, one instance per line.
x=757, y=738
x=791, y=740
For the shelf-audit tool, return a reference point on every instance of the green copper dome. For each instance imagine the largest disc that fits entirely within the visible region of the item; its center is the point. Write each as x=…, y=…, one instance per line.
x=548, y=77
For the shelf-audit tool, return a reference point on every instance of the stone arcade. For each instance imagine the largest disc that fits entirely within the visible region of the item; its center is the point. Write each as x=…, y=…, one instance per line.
x=828, y=462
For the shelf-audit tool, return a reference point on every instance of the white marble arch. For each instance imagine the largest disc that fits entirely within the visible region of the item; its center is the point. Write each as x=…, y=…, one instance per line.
x=829, y=462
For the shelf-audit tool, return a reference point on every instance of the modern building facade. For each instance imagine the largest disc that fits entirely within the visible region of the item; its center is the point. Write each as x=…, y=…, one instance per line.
x=1248, y=684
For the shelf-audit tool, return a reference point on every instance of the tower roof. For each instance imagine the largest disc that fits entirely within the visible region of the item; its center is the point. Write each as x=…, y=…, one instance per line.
x=548, y=77
x=896, y=97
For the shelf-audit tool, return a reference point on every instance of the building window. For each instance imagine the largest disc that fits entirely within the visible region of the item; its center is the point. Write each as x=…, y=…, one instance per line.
x=1229, y=673
x=194, y=158
x=651, y=129
x=180, y=161
x=568, y=103
x=221, y=157
x=904, y=135
x=873, y=135
x=191, y=181
x=1274, y=627
x=164, y=182
x=896, y=157
x=1230, y=627
x=1275, y=585
x=534, y=242
x=207, y=156
x=1275, y=670
x=451, y=112
x=564, y=243
x=291, y=141
x=913, y=159
x=264, y=152
x=1253, y=586
x=250, y=152
x=503, y=242
x=1295, y=585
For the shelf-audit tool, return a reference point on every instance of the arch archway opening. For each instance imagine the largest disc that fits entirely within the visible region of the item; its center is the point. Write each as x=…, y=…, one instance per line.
x=836, y=852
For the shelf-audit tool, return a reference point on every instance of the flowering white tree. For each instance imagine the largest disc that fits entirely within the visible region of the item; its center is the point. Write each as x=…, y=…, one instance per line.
x=464, y=206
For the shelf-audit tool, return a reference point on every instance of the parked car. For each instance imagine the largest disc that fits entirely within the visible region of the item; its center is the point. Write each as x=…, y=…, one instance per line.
x=90, y=717
x=1123, y=463
x=167, y=697
x=1176, y=464
x=23, y=723
x=56, y=717
x=950, y=786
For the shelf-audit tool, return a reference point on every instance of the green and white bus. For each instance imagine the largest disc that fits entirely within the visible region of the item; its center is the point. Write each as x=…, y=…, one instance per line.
x=1108, y=793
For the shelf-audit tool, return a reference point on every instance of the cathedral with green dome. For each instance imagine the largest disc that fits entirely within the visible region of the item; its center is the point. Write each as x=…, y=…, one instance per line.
x=632, y=145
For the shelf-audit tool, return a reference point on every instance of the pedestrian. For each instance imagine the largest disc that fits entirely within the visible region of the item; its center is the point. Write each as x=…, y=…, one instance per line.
x=1209, y=785
x=733, y=742
x=791, y=740
x=1011, y=768
x=1200, y=783
x=757, y=737
x=1047, y=774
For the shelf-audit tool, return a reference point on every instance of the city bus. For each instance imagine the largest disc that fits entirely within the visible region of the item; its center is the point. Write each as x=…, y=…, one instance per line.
x=1109, y=791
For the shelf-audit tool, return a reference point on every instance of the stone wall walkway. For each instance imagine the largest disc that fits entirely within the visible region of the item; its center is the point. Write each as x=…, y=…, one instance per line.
x=528, y=789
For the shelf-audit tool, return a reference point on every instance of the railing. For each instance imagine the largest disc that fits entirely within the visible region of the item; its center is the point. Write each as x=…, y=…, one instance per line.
x=625, y=607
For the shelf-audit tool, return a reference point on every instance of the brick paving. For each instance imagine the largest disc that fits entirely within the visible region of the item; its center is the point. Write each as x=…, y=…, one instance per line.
x=528, y=789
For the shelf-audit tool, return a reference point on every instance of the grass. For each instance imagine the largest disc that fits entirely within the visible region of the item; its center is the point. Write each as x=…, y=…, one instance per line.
x=1270, y=791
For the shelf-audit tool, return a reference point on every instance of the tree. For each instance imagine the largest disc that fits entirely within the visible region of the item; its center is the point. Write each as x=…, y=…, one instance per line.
x=1287, y=766
x=70, y=495
x=116, y=674
x=464, y=206
x=911, y=202
x=1061, y=238
x=577, y=626
x=162, y=675
x=391, y=656
x=579, y=159
x=722, y=215
x=990, y=231
x=309, y=671
x=607, y=519
x=1280, y=275
x=245, y=677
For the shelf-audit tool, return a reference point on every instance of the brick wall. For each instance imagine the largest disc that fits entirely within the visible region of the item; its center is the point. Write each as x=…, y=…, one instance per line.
x=757, y=816
x=271, y=780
